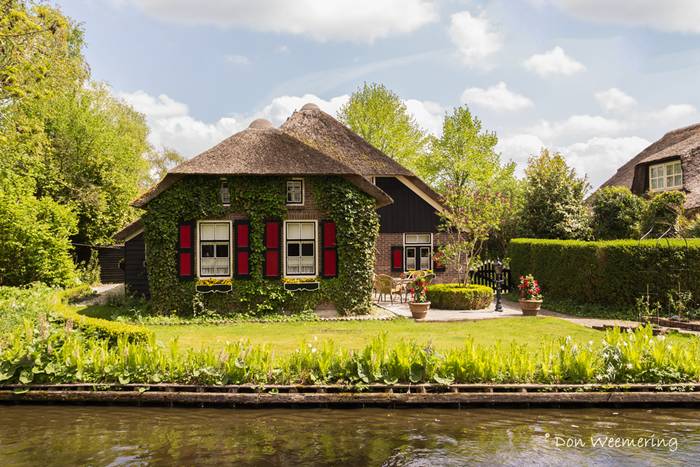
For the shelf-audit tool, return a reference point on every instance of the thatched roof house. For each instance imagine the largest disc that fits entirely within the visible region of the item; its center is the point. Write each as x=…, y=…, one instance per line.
x=215, y=235
x=671, y=163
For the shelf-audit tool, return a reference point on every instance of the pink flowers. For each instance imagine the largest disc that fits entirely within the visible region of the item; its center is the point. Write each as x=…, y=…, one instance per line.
x=529, y=288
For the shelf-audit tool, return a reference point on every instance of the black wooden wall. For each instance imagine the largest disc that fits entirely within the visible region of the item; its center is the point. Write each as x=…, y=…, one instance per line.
x=111, y=263
x=408, y=213
x=135, y=277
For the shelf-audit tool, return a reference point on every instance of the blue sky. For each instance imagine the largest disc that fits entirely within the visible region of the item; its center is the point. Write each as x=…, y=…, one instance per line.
x=597, y=80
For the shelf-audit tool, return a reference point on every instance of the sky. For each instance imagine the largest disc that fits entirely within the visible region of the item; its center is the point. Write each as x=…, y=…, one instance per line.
x=597, y=80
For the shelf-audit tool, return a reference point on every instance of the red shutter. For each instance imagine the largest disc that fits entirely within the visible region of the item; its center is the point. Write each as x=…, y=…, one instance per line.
x=185, y=250
x=329, y=249
x=397, y=258
x=242, y=248
x=272, y=262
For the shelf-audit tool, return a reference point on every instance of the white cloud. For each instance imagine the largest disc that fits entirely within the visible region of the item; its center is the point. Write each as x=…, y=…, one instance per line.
x=474, y=37
x=669, y=15
x=172, y=126
x=352, y=20
x=497, y=97
x=518, y=148
x=236, y=59
x=577, y=127
x=675, y=115
x=600, y=157
x=553, y=62
x=428, y=114
x=614, y=100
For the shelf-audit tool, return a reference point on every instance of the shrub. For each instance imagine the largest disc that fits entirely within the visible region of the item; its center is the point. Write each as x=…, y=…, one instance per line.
x=610, y=273
x=23, y=303
x=664, y=211
x=459, y=297
x=101, y=328
x=617, y=213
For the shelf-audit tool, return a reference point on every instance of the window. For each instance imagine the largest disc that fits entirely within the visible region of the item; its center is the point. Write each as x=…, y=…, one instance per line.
x=665, y=176
x=300, y=248
x=224, y=192
x=418, y=251
x=295, y=192
x=214, y=247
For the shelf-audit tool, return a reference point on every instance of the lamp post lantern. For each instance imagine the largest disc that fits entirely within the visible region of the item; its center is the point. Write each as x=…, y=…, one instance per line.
x=499, y=283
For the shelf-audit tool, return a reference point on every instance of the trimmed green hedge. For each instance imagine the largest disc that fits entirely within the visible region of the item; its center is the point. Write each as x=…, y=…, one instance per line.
x=459, y=297
x=608, y=272
x=102, y=328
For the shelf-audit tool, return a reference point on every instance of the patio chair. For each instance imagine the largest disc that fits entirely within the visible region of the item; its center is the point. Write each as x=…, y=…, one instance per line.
x=384, y=285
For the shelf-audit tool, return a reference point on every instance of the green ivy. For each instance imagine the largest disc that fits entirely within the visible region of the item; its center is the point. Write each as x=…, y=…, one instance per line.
x=259, y=199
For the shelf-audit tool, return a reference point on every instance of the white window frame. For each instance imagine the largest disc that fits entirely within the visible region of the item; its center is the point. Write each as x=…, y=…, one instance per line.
x=301, y=180
x=224, y=182
x=417, y=245
x=316, y=250
x=662, y=186
x=198, y=253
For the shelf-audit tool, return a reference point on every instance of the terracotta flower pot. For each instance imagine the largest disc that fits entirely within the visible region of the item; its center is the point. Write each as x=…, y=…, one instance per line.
x=530, y=307
x=419, y=310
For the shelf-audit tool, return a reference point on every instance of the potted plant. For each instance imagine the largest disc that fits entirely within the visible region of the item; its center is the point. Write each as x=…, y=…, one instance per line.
x=530, y=295
x=419, y=304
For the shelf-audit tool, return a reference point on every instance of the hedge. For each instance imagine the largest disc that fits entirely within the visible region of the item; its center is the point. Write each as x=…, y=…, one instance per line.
x=459, y=297
x=613, y=272
x=90, y=326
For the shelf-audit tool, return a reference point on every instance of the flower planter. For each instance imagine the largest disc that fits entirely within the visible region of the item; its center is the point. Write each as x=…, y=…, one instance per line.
x=221, y=288
x=419, y=310
x=530, y=307
x=297, y=286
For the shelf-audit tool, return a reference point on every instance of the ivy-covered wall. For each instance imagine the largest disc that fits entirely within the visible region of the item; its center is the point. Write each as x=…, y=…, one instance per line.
x=259, y=198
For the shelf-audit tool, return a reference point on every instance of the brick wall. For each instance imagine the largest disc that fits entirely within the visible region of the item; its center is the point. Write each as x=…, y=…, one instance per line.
x=383, y=252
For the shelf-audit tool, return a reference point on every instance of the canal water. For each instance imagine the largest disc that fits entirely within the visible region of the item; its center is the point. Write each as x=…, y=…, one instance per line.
x=71, y=435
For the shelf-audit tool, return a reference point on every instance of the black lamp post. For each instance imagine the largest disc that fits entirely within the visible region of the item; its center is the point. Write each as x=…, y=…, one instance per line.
x=499, y=284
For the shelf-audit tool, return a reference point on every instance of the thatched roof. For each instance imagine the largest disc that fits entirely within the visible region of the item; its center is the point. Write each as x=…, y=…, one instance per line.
x=320, y=130
x=129, y=231
x=683, y=144
x=263, y=150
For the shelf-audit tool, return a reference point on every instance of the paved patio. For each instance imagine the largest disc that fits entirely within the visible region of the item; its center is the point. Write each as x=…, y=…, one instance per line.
x=510, y=309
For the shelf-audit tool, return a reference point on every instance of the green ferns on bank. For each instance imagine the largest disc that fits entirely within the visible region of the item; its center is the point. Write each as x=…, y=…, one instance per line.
x=51, y=354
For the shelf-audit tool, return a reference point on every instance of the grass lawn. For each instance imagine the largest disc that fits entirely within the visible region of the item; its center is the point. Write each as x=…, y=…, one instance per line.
x=285, y=337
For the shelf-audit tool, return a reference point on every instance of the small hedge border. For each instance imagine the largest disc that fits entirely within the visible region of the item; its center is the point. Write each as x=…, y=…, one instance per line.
x=610, y=273
x=96, y=327
x=459, y=297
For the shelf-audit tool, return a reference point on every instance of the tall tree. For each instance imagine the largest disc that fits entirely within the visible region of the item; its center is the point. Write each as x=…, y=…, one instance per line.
x=380, y=117
x=160, y=162
x=554, y=199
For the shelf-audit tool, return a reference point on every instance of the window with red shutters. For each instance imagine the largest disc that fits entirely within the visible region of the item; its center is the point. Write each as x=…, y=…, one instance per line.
x=329, y=249
x=185, y=250
x=272, y=261
x=242, y=248
x=397, y=258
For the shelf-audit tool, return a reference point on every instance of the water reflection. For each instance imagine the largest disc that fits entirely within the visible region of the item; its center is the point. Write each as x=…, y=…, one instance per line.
x=66, y=435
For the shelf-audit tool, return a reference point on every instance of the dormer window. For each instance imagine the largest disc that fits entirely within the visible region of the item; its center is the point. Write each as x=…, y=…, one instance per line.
x=295, y=192
x=666, y=176
x=224, y=193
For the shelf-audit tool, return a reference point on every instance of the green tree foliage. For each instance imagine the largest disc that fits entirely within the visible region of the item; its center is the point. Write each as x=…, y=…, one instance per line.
x=664, y=214
x=96, y=160
x=68, y=149
x=35, y=237
x=381, y=118
x=617, y=213
x=478, y=191
x=160, y=162
x=554, y=195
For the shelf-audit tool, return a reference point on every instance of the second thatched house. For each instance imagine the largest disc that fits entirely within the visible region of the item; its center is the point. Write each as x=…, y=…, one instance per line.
x=671, y=163
x=291, y=217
